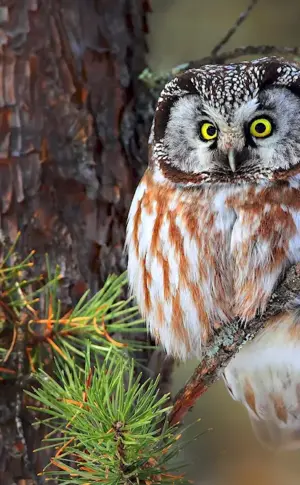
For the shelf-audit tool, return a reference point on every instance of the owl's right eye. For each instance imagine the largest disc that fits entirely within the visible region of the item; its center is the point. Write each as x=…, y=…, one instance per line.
x=208, y=131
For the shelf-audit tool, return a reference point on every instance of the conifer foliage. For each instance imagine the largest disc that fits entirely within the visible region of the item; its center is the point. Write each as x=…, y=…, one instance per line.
x=106, y=424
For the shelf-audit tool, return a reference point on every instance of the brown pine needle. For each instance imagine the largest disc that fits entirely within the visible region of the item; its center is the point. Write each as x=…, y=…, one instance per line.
x=86, y=469
x=56, y=347
x=63, y=467
x=30, y=359
x=89, y=380
x=61, y=450
x=174, y=477
x=105, y=334
x=72, y=401
x=49, y=322
x=11, y=345
x=67, y=315
x=7, y=371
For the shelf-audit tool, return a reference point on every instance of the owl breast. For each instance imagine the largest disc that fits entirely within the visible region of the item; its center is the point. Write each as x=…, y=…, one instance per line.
x=200, y=257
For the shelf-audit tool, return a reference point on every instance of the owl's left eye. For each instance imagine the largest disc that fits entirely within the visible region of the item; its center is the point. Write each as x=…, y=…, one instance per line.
x=208, y=131
x=261, y=128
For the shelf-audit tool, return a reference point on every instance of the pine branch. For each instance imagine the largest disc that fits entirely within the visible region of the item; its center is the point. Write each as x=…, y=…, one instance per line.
x=49, y=329
x=94, y=320
x=109, y=425
x=42, y=333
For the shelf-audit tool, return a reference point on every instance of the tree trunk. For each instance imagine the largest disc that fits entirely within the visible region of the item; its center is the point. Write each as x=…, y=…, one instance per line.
x=73, y=144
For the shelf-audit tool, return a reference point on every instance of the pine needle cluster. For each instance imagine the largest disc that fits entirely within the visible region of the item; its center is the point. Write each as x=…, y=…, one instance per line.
x=33, y=318
x=107, y=425
x=110, y=425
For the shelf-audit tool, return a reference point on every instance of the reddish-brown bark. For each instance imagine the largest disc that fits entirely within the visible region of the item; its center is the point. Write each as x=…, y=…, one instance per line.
x=74, y=123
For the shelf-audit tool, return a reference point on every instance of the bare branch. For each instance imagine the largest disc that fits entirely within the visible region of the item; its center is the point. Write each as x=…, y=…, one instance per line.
x=233, y=29
x=226, y=343
x=250, y=50
x=156, y=82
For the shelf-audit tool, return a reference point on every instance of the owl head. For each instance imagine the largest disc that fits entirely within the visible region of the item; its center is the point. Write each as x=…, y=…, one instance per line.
x=233, y=123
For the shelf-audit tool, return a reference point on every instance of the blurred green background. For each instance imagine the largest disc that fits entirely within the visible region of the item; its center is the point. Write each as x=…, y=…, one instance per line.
x=183, y=30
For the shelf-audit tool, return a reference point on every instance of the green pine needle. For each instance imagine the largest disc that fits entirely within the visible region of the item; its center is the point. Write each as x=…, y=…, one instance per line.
x=109, y=425
x=94, y=320
x=105, y=425
x=104, y=320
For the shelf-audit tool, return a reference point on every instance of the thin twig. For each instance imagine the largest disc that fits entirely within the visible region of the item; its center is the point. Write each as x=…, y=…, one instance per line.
x=227, y=343
x=233, y=29
x=20, y=350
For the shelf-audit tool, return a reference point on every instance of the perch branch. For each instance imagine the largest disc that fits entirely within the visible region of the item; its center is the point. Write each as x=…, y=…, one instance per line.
x=243, y=16
x=227, y=342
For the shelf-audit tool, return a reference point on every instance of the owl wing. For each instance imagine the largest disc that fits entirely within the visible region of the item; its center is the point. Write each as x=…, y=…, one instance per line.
x=265, y=377
x=177, y=265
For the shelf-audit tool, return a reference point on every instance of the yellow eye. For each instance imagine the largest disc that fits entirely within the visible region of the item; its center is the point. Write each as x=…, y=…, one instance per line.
x=261, y=127
x=208, y=131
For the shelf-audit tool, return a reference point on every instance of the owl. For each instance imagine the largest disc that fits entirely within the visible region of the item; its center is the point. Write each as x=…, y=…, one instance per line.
x=215, y=223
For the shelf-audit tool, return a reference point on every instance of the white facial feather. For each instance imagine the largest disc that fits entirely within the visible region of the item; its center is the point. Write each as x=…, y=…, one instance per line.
x=184, y=146
x=281, y=150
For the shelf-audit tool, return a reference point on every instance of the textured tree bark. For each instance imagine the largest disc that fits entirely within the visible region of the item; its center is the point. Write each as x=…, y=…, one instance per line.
x=73, y=144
